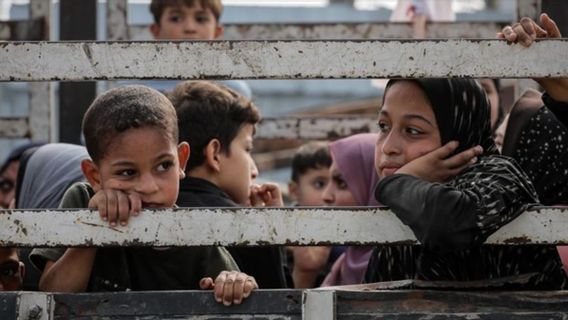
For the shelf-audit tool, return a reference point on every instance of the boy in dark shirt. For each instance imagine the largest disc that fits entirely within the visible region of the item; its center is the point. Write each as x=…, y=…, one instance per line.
x=132, y=138
x=219, y=125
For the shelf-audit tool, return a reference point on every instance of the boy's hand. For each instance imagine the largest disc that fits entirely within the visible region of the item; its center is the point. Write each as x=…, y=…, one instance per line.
x=268, y=195
x=527, y=30
x=230, y=286
x=437, y=167
x=115, y=205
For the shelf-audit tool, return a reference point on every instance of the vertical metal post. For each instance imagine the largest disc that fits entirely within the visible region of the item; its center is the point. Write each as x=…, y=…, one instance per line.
x=117, y=20
x=78, y=21
x=531, y=9
x=318, y=305
x=34, y=306
x=41, y=98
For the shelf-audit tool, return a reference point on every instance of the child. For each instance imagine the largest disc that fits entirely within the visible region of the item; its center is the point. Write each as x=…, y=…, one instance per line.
x=310, y=174
x=219, y=125
x=189, y=20
x=131, y=136
x=442, y=176
x=11, y=270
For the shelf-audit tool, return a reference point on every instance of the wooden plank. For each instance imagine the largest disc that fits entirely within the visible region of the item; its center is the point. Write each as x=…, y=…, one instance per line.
x=424, y=304
x=262, y=304
x=328, y=31
x=22, y=30
x=14, y=128
x=249, y=227
x=314, y=128
x=77, y=61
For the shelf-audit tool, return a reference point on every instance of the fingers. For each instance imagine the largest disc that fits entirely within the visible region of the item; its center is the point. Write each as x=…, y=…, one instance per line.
x=550, y=26
x=116, y=206
x=445, y=151
x=135, y=203
x=463, y=158
x=508, y=34
x=206, y=283
x=231, y=287
x=123, y=208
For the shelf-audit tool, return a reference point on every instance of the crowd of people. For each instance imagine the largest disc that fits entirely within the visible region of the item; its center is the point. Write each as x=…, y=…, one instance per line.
x=434, y=161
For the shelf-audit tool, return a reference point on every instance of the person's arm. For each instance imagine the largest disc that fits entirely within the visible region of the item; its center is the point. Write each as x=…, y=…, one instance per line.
x=308, y=263
x=71, y=273
x=462, y=214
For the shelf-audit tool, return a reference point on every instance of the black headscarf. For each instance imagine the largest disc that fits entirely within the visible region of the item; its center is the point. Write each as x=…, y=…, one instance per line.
x=462, y=112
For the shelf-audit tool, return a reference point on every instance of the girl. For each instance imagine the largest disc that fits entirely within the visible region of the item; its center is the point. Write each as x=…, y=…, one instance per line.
x=452, y=211
x=352, y=183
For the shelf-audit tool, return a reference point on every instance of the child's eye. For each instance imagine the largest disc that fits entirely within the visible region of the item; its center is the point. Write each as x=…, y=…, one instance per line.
x=383, y=127
x=164, y=166
x=175, y=18
x=413, y=131
x=126, y=173
x=202, y=19
x=319, y=184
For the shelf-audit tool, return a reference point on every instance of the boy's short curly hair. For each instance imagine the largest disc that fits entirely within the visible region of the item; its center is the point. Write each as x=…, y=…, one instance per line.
x=207, y=111
x=312, y=155
x=157, y=7
x=120, y=109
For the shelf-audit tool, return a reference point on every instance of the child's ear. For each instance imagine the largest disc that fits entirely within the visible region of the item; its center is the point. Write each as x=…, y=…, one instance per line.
x=213, y=155
x=155, y=30
x=183, y=156
x=91, y=172
x=293, y=190
x=219, y=31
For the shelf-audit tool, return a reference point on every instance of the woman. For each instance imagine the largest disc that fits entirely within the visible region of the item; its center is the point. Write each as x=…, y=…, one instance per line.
x=352, y=183
x=452, y=204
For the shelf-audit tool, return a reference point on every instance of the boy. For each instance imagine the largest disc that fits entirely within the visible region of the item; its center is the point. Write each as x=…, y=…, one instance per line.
x=11, y=270
x=131, y=136
x=310, y=174
x=219, y=125
x=190, y=20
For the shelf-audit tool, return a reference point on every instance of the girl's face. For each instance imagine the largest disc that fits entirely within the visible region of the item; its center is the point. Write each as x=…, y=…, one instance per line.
x=407, y=128
x=336, y=192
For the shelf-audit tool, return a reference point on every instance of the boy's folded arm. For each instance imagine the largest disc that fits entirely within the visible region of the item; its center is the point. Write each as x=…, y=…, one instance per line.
x=71, y=273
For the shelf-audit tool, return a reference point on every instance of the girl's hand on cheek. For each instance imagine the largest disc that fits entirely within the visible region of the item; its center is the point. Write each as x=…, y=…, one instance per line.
x=437, y=167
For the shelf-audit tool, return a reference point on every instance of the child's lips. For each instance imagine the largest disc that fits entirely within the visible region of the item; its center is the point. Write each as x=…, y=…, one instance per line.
x=151, y=205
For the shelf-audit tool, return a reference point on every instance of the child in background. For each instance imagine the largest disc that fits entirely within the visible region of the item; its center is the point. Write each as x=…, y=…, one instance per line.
x=136, y=162
x=219, y=125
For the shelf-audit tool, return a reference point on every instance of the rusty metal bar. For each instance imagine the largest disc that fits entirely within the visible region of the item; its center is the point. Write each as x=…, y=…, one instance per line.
x=76, y=61
x=250, y=227
x=328, y=31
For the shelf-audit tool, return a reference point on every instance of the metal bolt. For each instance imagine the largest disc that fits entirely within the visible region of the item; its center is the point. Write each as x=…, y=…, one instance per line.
x=35, y=313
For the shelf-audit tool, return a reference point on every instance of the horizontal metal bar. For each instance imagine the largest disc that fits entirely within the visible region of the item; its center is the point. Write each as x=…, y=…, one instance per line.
x=14, y=128
x=22, y=30
x=315, y=31
x=75, y=61
x=313, y=127
x=248, y=227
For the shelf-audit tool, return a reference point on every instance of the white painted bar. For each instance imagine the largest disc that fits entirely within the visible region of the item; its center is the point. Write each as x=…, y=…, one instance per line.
x=117, y=20
x=318, y=304
x=314, y=128
x=246, y=226
x=41, y=94
x=75, y=61
x=14, y=128
x=328, y=31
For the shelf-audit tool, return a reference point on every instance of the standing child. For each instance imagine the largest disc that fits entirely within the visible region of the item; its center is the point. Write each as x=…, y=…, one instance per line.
x=132, y=138
x=219, y=125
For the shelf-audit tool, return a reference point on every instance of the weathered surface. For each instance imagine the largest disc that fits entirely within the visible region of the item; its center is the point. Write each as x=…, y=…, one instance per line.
x=248, y=227
x=328, y=31
x=314, y=127
x=14, y=128
x=117, y=20
x=281, y=60
x=263, y=304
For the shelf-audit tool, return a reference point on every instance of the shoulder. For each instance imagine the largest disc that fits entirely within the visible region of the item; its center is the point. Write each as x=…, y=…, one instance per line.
x=77, y=196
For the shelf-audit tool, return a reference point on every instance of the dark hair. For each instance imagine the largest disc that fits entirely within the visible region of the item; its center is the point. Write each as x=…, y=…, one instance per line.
x=120, y=109
x=207, y=111
x=312, y=155
x=157, y=7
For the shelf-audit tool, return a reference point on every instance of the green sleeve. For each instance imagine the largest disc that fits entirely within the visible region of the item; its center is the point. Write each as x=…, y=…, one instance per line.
x=77, y=196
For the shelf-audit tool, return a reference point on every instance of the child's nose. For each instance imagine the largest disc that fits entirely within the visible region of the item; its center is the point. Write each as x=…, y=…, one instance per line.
x=147, y=184
x=189, y=25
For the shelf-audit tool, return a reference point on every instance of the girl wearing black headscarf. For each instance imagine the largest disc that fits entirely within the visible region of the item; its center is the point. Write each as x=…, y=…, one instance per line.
x=452, y=216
